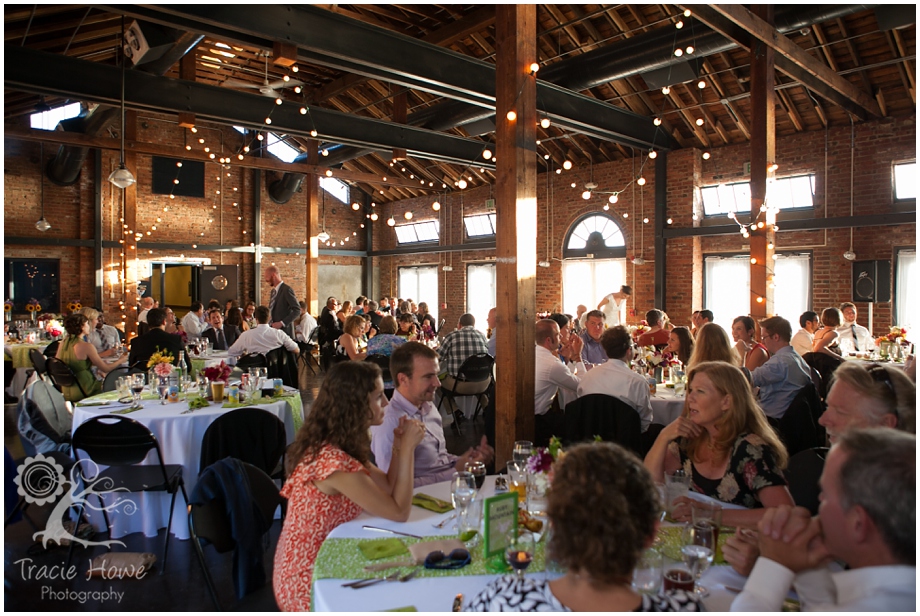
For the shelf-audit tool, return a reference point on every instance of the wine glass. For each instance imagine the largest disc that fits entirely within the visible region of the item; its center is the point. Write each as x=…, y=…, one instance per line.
x=698, y=551
x=522, y=451
x=462, y=492
x=137, y=386
x=162, y=388
x=520, y=551
x=478, y=470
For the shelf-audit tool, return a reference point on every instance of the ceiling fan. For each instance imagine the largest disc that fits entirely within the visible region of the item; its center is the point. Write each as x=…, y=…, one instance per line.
x=266, y=88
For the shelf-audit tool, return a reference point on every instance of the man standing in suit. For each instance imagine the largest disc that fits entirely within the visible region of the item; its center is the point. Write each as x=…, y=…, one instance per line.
x=221, y=335
x=156, y=339
x=282, y=303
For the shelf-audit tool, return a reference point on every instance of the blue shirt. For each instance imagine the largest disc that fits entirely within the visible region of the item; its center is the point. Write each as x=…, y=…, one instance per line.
x=780, y=379
x=592, y=352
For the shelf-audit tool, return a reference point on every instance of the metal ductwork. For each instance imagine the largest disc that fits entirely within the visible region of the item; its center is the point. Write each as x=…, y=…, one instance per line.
x=626, y=58
x=64, y=168
x=281, y=191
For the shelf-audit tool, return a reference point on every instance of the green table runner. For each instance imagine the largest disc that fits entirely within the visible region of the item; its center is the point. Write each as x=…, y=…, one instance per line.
x=20, y=354
x=668, y=542
x=342, y=559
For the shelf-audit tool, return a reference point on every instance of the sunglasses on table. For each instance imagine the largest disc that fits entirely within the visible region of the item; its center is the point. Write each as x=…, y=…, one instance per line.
x=455, y=560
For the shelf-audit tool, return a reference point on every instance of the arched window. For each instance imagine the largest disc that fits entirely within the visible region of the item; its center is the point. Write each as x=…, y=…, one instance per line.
x=595, y=236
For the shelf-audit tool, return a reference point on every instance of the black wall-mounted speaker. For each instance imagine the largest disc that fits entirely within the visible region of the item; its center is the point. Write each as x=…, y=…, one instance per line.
x=872, y=281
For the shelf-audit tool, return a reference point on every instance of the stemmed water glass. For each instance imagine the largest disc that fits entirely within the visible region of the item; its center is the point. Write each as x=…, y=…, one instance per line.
x=520, y=551
x=462, y=492
x=699, y=548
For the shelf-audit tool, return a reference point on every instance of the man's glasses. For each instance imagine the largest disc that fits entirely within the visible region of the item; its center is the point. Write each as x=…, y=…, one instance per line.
x=455, y=560
x=880, y=375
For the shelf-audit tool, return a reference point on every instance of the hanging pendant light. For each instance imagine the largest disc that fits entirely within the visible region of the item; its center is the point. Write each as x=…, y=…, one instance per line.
x=41, y=224
x=322, y=235
x=121, y=177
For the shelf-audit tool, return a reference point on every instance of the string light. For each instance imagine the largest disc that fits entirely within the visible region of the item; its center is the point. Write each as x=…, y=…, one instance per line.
x=462, y=184
x=641, y=181
x=666, y=90
x=545, y=123
x=652, y=154
x=436, y=206
x=678, y=52
x=408, y=215
x=699, y=121
x=706, y=155
x=657, y=121
x=567, y=165
x=511, y=115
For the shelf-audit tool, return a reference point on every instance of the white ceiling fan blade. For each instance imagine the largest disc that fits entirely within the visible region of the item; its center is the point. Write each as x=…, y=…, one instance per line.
x=236, y=83
x=280, y=83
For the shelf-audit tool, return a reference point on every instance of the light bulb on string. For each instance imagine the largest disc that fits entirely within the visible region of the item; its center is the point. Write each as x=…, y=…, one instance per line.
x=391, y=221
x=687, y=13
x=701, y=84
x=462, y=184
x=652, y=154
x=700, y=121
x=613, y=198
x=545, y=123
x=657, y=121
x=408, y=215
x=706, y=155
x=436, y=206
x=586, y=195
x=313, y=133
x=567, y=165
x=511, y=115
x=678, y=52
x=690, y=49
x=666, y=90
x=679, y=25
x=641, y=181
x=487, y=154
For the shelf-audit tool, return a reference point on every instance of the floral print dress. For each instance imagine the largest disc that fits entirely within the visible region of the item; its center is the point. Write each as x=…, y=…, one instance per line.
x=751, y=468
x=311, y=516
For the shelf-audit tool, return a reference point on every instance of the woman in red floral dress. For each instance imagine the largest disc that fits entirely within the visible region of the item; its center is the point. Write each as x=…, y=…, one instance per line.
x=330, y=478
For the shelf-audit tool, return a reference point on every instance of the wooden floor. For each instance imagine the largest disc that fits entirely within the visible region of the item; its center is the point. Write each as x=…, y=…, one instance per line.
x=33, y=579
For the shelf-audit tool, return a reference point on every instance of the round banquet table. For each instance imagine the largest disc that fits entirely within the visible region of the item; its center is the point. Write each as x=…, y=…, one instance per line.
x=180, y=437
x=436, y=594
x=666, y=405
x=21, y=363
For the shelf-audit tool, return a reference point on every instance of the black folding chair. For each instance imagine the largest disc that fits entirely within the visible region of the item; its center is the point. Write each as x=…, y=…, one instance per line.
x=211, y=516
x=38, y=362
x=473, y=379
x=51, y=349
x=250, y=434
x=110, y=379
x=62, y=376
x=605, y=416
x=797, y=427
x=121, y=444
x=803, y=472
x=308, y=348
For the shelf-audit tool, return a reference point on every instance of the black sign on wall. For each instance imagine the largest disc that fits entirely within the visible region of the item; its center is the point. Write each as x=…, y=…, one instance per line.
x=190, y=175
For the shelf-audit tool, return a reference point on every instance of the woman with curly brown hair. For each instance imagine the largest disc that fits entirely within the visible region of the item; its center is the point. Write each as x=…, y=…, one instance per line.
x=723, y=442
x=81, y=356
x=330, y=478
x=603, y=509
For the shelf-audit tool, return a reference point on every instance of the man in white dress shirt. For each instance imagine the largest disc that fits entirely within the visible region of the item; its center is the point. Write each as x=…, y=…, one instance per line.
x=262, y=338
x=852, y=335
x=615, y=378
x=193, y=322
x=551, y=375
x=867, y=520
x=803, y=340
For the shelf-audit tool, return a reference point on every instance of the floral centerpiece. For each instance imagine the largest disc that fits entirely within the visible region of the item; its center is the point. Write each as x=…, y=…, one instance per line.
x=220, y=372
x=896, y=334
x=54, y=328
x=427, y=332
x=540, y=474
x=33, y=306
x=162, y=363
x=8, y=308
x=639, y=329
x=74, y=306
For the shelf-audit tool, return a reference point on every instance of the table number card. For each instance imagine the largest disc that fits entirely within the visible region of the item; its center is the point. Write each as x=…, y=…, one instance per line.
x=501, y=516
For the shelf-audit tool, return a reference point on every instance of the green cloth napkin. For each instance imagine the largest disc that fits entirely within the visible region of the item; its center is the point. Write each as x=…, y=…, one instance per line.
x=342, y=559
x=431, y=503
x=376, y=549
x=668, y=542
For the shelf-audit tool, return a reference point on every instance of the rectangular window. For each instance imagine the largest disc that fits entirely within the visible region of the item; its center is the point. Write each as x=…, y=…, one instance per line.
x=33, y=280
x=588, y=281
x=791, y=193
x=420, y=284
x=905, y=293
x=727, y=287
x=48, y=120
x=417, y=232
x=336, y=188
x=480, y=292
x=905, y=181
x=479, y=226
x=280, y=149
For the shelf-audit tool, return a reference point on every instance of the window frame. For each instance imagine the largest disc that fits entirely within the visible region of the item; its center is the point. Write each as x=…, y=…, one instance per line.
x=789, y=210
x=486, y=237
x=414, y=226
x=46, y=114
x=895, y=309
x=894, y=184
x=614, y=252
x=432, y=306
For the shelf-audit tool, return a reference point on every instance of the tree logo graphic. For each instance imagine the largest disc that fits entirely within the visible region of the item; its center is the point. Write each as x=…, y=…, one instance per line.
x=41, y=480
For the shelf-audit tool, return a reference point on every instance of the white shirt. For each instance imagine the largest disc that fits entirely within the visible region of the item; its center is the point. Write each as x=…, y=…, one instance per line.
x=863, y=337
x=261, y=339
x=868, y=589
x=193, y=326
x=304, y=326
x=142, y=316
x=551, y=374
x=104, y=339
x=614, y=378
x=803, y=342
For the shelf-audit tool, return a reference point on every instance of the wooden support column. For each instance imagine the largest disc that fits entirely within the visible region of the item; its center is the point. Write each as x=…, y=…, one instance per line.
x=312, y=273
x=763, y=154
x=516, y=219
x=130, y=245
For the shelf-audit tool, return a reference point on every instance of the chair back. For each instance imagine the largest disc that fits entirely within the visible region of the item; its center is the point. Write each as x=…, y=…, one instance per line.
x=52, y=349
x=110, y=379
x=38, y=360
x=282, y=364
x=384, y=362
x=44, y=422
x=797, y=427
x=803, y=472
x=604, y=416
x=825, y=365
x=476, y=368
x=250, y=434
x=115, y=441
x=251, y=360
x=314, y=336
x=440, y=325
x=60, y=373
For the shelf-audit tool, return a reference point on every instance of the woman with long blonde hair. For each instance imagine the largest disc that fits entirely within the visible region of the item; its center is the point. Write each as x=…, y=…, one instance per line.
x=712, y=344
x=723, y=442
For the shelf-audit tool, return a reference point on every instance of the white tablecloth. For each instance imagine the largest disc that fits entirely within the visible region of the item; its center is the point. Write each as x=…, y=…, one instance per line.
x=666, y=405
x=180, y=442
x=437, y=594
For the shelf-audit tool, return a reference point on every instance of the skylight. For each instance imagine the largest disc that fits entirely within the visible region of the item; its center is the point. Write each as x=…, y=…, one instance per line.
x=48, y=120
x=479, y=225
x=280, y=149
x=418, y=232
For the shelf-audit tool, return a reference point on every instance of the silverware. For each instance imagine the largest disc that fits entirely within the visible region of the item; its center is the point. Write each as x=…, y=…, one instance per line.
x=445, y=521
x=458, y=603
x=390, y=530
x=368, y=582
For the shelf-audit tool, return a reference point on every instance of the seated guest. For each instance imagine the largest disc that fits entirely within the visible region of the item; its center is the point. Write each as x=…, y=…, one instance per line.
x=553, y=378
x=415, y=369
x=592, y=352
x=104, y=337
x=345, y=311
x=348, y=345
x=426, y=318
x=656, y=336
x=331, y=479
x=235, y=317
x=230, y=303
x=146, y=304
x=172, y=324
x=863, y=397
x=825, y=339
x=373, y=314
x=262, y=338
x=384, y=305
x=705, y=317
x=579, y=323
x=249, y=316
x=213, y=304
x=752, y=353
x=460, y=344
x=784, y=374
x=304, y=324
x=406, y=324
x=712, y=344
x=615, y=378
x=193, y=322
x=680, y=344
x=491, y=322
x=221, y=335
x=81, y=356
x=603, y=507
x=723, y=442
x=565, y=332
x=156, y=339
x=853, y=337
x=385, y=342
x=804, y=340
x=867, y=520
